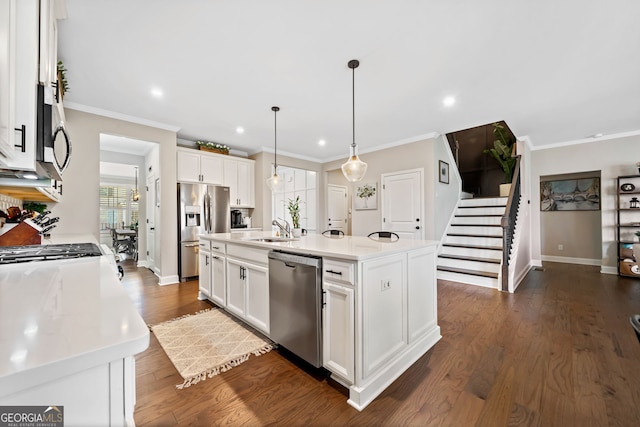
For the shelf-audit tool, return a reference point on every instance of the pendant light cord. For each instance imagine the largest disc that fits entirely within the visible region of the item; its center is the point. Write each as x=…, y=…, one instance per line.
x=275, y=137
x=353, y=105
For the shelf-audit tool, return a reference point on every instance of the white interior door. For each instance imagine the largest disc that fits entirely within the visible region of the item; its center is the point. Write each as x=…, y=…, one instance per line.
x=337, y=208
x=402, y=206
x=151, y=215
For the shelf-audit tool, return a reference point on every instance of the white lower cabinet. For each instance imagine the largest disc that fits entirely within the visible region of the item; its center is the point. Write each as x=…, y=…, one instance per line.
x=338, y=331
x=248, y=286
x=204, y=278
x=218, y=280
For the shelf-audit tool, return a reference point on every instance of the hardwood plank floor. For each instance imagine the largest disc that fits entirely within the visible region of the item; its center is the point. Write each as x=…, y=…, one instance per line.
x=558, y=352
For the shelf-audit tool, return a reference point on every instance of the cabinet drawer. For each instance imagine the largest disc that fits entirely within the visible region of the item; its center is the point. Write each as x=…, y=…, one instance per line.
x=218, y=248
x=204, y=245
x=338, y=271
x=260, y=256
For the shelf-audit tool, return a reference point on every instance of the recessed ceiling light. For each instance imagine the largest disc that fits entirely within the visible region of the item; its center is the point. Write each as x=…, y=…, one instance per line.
x=448, y=101
x=240, y=129
x=322, y=142
x=597, y=135
x=157, y=93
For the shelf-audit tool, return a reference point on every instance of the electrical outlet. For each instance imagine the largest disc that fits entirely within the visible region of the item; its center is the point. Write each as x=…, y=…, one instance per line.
x=386, y=284
x=561, y=247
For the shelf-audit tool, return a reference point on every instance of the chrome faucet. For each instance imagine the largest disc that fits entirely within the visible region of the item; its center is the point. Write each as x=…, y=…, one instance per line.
x=286, y=229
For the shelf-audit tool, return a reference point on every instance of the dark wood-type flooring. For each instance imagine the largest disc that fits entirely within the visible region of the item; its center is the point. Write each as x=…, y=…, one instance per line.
x=558, y=352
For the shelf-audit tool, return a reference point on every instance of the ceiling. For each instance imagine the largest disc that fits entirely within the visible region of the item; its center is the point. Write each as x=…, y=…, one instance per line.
x=556, y=71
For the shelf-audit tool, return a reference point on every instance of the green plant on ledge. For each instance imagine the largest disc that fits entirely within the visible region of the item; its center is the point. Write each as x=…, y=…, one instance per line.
x=62, y=79
x=213, y=146
x=501, y=151
x=294, y=211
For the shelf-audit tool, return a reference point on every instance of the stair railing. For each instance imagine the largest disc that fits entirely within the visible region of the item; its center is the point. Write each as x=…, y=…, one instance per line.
x=508, y=223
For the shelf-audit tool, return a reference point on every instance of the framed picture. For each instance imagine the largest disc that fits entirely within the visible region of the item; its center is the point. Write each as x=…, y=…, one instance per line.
x=570, y=195
x=443, y=168
x=366, y=196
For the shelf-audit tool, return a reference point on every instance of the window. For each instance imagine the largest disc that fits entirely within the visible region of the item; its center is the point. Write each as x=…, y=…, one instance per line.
x=117, y=209
x=297, y=182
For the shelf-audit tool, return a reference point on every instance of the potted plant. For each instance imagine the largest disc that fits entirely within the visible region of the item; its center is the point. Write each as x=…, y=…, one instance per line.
x=294, y=211
x=213, y=147
x=501, y=151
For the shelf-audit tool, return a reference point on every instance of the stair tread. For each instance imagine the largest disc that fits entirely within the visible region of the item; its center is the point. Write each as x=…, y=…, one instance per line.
x=470, y=258
x=479, y=215
x=491, y=236
x=459, y=245
x=470, y=272
x=476, y=225
x=481, y=206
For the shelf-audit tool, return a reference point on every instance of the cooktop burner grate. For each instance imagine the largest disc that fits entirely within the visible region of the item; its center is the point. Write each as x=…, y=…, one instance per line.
x=15, y=254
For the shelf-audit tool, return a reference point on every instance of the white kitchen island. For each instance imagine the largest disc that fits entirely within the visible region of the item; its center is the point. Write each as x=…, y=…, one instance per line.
x=379, y=306
x=68, y=334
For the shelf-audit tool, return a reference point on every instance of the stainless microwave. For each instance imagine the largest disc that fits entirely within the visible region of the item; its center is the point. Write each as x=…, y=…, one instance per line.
x=53, y=146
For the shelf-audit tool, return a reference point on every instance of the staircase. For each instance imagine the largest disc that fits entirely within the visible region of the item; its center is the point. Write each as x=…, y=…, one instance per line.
x=471, y=250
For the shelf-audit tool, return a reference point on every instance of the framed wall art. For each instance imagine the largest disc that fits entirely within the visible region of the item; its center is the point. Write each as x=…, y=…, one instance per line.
x=570, y=195
x=443, y=172
x=366, y=196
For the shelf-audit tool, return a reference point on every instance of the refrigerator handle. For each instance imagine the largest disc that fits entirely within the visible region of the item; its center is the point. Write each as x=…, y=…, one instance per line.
x=207, y=212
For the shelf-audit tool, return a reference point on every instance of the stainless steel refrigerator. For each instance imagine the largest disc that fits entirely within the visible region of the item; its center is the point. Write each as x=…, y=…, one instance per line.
x=202, y=209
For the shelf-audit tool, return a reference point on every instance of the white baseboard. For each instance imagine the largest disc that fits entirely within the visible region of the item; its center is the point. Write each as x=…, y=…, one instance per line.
x=609, y=270
x=569, y=260
x=168, y=280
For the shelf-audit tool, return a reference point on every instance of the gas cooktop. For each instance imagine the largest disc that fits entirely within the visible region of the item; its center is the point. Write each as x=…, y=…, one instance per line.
x=15, y=254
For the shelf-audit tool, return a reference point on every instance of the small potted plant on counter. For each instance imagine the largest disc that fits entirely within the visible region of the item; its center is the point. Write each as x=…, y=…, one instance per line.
x=294, y=211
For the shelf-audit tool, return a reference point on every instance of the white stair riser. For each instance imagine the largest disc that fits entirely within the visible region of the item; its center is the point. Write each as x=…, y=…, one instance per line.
x=498, y=210
x=469, y=265
x=486, y=282
x=484, y=231
x=474, y=241
x=492, y=201
x=494, y=220
x=471, y=252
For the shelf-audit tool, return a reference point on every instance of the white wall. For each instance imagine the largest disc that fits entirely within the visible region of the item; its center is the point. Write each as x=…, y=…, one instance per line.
x=79, y=208
x=612, y=157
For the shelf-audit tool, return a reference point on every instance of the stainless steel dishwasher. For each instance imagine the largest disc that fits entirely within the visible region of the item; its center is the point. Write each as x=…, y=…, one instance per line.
x=295, y=298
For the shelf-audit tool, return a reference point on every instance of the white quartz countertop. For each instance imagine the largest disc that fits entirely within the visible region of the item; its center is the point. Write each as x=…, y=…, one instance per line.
x=61, y=317
x=347, y=247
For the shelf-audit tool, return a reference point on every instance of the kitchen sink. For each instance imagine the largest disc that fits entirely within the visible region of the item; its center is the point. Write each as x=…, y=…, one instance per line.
x=274, y=239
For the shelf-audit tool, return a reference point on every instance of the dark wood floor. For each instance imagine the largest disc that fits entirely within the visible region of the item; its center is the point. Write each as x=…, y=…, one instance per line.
x=558, y=352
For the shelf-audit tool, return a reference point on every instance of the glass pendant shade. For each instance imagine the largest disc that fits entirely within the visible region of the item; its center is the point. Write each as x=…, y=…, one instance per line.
x=354, y=169
x=135, y=196
x=275, y=183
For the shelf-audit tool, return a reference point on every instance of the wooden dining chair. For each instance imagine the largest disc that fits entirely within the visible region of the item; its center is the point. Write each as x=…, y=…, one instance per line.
x=333, y=233
x=384, y=236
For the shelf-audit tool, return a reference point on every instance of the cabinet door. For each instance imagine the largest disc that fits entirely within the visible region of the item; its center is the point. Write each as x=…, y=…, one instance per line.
x=27, y=19
x=7, y=78
x=246, y=190
x=235, y=287
x=188, y=167
x=204, y=278
x=218, y=285
x=231, y=180
x=257, y=288
x=211, y=170
x=48, y=72
x=338, y=332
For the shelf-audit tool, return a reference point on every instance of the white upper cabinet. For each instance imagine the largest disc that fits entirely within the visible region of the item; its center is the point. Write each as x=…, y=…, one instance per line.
x=239, y=176
x=7, y=77
x=194, y=166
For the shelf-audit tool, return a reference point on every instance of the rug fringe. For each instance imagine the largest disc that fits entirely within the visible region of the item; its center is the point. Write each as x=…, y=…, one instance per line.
x=209, y=373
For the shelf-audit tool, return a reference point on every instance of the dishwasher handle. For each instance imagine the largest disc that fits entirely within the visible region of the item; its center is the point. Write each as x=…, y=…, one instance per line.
x=292, y=258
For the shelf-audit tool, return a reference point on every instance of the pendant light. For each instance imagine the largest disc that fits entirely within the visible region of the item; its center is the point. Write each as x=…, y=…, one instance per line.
x=275, y=183
x=354, y=169
x=135, y=195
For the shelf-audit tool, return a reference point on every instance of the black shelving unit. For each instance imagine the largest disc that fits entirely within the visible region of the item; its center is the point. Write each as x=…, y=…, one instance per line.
x=628, y=222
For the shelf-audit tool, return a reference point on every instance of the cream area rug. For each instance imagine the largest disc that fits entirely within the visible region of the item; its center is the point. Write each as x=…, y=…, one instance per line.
x=204, y=344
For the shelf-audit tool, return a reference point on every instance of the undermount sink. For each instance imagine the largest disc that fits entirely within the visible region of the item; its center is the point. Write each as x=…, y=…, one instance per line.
x=274, y=239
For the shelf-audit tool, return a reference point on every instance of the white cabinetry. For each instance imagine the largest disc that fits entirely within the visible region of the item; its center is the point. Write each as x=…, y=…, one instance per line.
x=248, y=285
x=194, y=166
x=239, y=177
x=218, y=273
x=338, y=328
x=204, y=278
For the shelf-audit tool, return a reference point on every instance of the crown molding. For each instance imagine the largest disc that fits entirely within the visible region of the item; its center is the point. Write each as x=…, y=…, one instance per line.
x=120, y=116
